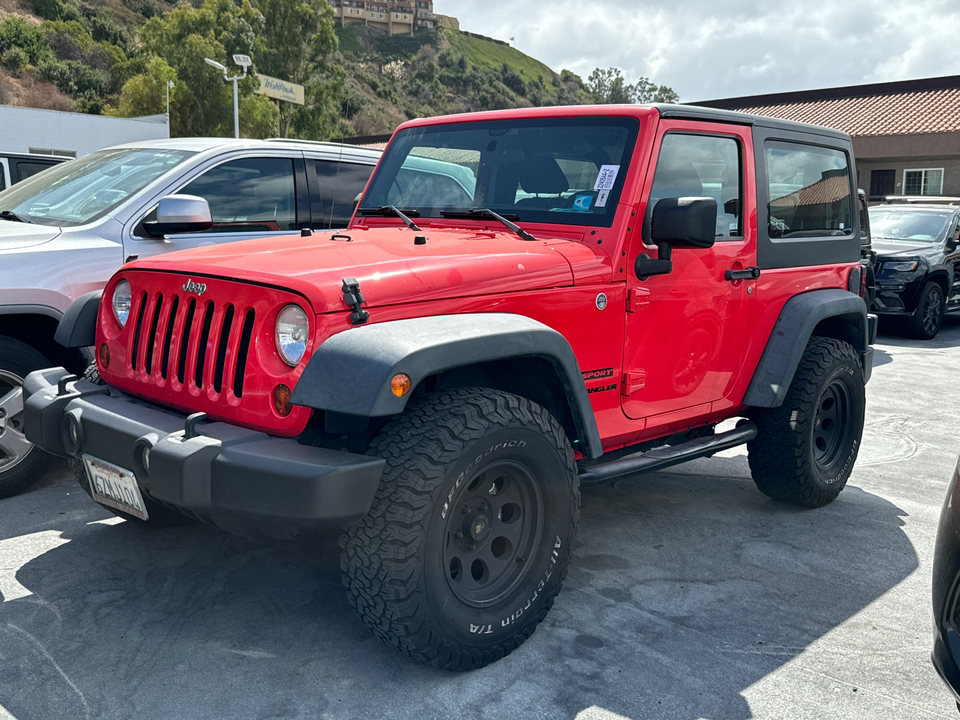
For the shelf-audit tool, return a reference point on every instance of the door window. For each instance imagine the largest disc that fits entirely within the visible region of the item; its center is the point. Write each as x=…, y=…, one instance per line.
x=702, y=166
x=340, y=186
x=249, y=195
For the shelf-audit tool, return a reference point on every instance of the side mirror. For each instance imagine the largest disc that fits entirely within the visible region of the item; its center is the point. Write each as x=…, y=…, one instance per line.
x=180, y=214
x=687, y=222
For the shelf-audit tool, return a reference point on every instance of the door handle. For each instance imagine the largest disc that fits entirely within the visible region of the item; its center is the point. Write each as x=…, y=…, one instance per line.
x=750, y=273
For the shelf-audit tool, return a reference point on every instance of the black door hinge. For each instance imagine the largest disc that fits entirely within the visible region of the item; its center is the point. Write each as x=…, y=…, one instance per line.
x=354, y=299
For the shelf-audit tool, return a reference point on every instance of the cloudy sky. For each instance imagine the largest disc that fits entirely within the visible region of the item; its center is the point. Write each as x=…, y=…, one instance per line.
x=708, y=49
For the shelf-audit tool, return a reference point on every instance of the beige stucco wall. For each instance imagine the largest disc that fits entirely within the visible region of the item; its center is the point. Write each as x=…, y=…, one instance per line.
x=909, y=152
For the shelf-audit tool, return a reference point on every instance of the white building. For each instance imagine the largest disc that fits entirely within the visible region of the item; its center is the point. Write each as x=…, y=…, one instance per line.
x=72, y=134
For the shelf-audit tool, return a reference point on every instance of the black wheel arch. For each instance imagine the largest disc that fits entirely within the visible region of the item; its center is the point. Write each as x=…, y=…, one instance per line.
x=831, y=313
x=350, y=372
x=36, y=326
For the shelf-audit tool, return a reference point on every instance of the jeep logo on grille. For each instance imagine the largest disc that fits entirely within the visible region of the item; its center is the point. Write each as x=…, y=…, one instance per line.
x=191, y=286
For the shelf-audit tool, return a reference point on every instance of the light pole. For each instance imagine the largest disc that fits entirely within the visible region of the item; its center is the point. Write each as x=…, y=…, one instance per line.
x=243, y=61
x=169, y=84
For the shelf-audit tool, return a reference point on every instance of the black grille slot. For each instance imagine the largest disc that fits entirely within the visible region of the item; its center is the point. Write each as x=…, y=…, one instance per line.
x=185, y=339
x=168, y=338
x=202, y=347
x=242, y=351
x=222, y=348
x=152, y=337
x=136, y=331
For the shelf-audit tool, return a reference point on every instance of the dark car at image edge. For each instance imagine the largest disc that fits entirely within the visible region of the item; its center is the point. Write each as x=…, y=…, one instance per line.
x=917, y=274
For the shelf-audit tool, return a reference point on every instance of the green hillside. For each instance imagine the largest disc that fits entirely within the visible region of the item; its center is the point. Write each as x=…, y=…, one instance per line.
x=117, y=56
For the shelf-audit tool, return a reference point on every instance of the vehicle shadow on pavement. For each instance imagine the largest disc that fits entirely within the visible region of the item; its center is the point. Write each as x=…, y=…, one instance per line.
x=890, y=332
x=686, y=588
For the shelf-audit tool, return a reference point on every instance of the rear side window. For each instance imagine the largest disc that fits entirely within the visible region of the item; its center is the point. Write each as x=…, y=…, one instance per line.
x=26, y=168
x=809, y=191
x=340, y=186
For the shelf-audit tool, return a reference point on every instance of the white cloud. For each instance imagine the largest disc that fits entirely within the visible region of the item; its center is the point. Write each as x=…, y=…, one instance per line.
x=705, y=49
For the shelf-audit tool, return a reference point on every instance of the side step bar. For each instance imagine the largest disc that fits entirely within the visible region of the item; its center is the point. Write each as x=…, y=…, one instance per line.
x=663, y=457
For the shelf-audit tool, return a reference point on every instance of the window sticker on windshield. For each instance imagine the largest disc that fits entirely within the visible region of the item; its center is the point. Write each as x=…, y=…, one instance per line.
x=581, y=203
x=602, y=198
x=606, y=178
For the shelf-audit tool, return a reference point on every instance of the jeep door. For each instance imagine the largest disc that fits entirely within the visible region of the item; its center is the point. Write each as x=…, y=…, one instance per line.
x=685, y=329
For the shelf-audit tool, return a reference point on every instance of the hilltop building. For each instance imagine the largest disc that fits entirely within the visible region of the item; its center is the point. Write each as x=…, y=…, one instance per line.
x=402, y=17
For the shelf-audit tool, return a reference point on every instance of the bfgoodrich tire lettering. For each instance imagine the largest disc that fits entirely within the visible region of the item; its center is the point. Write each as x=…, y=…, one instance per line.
x=805, y=449
x=467, y=543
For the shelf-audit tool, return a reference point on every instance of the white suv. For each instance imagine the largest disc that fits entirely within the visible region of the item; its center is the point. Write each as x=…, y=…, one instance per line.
x=66, y=231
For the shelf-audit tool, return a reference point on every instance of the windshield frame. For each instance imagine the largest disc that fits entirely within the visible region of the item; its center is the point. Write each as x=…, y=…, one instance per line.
x=502, y=143
x=74, y=185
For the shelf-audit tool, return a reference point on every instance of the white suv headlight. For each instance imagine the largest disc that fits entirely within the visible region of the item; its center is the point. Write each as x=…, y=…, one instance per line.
x=292, y=332
x=122, y=297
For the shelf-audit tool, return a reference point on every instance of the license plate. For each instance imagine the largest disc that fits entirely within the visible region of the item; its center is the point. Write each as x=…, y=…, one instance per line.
x=115, y=487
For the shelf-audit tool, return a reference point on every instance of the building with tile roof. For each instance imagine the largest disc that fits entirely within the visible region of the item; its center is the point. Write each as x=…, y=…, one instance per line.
x=906, y=134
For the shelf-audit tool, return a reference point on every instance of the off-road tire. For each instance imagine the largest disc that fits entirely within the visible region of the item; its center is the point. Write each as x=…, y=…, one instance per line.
x=18, y=470
x=158, y=516
x=467, y=543
x=926, y=320
x=805, y=449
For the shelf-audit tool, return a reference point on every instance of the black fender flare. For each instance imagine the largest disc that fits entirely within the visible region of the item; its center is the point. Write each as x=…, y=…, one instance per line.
x=846, y=317
x=78, y=326
x=350, y=371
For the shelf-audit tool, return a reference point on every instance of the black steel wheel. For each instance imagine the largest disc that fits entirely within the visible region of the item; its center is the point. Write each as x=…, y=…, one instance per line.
x=467, y=543
x=496, y=525
x=21, y=463
x=805, y=449
x=926, y=320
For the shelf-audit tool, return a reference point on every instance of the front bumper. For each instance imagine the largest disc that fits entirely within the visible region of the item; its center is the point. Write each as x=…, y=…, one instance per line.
x=245, y=481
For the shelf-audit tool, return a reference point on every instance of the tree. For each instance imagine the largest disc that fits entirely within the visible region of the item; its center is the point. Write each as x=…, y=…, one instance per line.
x=201, y=102
x=608, y=86
x=296, y=43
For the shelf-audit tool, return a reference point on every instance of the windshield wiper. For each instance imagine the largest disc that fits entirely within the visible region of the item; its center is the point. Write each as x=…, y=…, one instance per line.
x=487, y=212
x=11, y=215
x=387, y=210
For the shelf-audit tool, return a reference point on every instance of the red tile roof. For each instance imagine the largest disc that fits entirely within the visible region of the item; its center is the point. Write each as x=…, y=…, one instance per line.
x=824, y=191
x=903, y=107
x=932, y=111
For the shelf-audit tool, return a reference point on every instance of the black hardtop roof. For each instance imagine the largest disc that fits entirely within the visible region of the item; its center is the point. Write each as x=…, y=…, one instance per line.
x=695, y=112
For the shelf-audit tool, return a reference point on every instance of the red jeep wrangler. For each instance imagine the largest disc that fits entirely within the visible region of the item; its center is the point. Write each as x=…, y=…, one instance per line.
x=525, y=301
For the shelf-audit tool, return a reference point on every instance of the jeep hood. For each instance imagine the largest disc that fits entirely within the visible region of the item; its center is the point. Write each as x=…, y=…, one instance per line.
x=389, y=265
x=17, y=235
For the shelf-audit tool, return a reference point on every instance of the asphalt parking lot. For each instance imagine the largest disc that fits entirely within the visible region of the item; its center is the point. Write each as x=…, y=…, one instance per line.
x=690, y=596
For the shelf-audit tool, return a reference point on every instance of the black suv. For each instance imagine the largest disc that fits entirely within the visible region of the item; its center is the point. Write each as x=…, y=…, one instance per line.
x=917, y=271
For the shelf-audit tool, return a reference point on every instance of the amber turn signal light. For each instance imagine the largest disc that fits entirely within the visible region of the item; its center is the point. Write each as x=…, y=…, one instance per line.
x=281, y=400
x=103, y=354
x=400, y=384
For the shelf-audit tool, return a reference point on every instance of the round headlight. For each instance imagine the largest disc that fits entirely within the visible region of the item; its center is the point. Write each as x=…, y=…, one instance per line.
x=292, y=331
x=122, y=297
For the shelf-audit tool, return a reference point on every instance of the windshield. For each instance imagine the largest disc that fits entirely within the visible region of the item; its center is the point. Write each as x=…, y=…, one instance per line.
x=922, y=226
x=78, y=192
x=564, y=171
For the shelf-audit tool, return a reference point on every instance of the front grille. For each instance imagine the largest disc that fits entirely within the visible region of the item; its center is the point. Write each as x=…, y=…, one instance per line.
x=188, y=342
